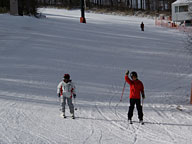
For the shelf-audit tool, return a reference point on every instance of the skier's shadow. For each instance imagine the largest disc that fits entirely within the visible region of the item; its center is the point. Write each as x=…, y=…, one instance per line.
x=99, y=119
x=146, y=122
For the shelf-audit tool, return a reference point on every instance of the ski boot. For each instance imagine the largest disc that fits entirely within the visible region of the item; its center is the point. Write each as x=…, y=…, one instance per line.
x=73, y=116
x=141, y=122
x=130, y=121
x=64, y=116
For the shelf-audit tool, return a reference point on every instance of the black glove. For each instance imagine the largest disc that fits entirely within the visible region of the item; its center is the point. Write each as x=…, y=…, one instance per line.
x=58, y=94
x=143, y=95
x=127, y=72
x=74, y=95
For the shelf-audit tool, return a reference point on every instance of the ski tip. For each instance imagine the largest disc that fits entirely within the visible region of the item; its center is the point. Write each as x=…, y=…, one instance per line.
x=61, y=115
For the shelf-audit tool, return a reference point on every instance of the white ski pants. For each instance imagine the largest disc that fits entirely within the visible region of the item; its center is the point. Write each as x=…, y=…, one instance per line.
x=69, y=102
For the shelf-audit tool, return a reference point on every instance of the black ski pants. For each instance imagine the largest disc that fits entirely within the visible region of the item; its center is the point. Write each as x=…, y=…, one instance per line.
x=139, y=108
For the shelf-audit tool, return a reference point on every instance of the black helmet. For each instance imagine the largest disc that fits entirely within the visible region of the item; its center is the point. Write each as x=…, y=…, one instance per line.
x=66, y=76
x=133, y=74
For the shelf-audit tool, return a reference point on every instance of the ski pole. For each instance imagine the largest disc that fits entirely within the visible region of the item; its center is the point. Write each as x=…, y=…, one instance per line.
x=59, y=103
x=75, y=104
x=123, y=91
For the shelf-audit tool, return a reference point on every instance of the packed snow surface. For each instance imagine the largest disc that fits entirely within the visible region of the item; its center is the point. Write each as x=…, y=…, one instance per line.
x=35, y=54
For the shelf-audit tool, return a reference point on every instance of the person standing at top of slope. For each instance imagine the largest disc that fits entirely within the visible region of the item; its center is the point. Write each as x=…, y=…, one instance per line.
x=66, y=91
x=136, y=89
x=142, y=26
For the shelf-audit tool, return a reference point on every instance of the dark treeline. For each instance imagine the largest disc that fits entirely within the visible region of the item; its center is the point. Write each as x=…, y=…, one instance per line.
x=60, y=3
x=30, y=6
x=25, y=7
x=148, y=5
x=4, y=5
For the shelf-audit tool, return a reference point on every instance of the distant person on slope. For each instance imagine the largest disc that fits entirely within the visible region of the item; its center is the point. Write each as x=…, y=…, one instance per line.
x=66, y=91
x=136, y=89
x=142, y=26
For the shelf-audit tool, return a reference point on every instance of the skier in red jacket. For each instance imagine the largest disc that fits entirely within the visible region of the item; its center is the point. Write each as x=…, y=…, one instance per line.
x=136, y=89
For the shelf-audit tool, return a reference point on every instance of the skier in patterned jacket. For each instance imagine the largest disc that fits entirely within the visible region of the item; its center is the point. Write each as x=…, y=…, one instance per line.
x=66, y=91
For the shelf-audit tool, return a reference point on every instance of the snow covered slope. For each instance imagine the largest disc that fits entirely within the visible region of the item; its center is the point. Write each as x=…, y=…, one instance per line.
x=35, y=53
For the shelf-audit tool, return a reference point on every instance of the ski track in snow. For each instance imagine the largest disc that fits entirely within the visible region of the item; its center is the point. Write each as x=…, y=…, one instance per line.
x=34, y=54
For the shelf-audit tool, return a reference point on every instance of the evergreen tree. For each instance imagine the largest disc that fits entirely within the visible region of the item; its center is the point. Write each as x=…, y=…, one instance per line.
x=4, y=5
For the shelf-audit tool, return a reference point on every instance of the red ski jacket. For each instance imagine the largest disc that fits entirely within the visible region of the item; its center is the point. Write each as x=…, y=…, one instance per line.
x=136, y=88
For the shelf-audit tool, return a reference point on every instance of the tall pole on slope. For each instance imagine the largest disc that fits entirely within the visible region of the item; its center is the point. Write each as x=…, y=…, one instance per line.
x=82, y=18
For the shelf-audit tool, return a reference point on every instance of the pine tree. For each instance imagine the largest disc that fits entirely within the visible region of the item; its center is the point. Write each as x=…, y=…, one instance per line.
x=4, y=5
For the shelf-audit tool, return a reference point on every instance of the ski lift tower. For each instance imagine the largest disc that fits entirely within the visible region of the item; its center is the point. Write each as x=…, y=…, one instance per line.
x=82, y=18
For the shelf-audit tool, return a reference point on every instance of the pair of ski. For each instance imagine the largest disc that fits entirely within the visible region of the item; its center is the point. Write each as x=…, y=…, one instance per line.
x=131, y=122
x=64, y=116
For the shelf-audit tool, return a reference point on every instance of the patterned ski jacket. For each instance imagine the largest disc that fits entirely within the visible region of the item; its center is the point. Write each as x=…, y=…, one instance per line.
x=66, y=89
x=136, y=88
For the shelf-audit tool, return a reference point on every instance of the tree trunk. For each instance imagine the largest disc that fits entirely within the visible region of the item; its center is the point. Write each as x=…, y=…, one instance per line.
x=111, y=1
x=147, y=4
x=131, y=4
x=157, y=5
x=169, y=4
x=128, y=3
x=163, y=5
x=141, y=4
